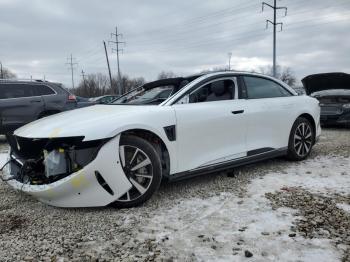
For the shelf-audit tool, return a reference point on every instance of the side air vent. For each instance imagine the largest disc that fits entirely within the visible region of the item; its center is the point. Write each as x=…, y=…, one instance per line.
x=170, y=132
x=103, y=183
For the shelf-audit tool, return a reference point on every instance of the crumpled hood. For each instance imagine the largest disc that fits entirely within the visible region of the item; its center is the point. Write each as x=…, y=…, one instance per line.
x=94, y=122
x=326, y=81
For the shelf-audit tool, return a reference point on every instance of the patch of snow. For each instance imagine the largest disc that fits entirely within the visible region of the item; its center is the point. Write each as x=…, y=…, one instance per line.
x=213, y=229
x=345, y=207
x=3, y=158
x=321, y=175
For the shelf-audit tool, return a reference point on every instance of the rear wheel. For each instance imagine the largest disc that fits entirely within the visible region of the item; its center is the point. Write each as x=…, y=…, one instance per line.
x=301, y=139
x=142, y=166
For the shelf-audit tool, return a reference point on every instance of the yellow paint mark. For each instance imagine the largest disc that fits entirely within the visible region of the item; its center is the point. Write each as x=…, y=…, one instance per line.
x=79, y=181
x=55, y=132
x=50, y=193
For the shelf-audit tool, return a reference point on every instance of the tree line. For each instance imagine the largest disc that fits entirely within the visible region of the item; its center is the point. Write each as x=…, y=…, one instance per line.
x=98, y=84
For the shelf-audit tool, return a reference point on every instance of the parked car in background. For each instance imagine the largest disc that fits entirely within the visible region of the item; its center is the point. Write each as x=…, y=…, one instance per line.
x=119, y=153
x=333, y=92
x=23, y=101
x=103, y=99
x=83, y=102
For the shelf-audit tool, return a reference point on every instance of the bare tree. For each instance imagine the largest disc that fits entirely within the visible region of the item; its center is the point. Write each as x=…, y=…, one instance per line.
x=7, y=74
x=285, y=74
x=288, y=77
x=216, y=69
x=98, y=84
x=166, y=74
x=128, y=82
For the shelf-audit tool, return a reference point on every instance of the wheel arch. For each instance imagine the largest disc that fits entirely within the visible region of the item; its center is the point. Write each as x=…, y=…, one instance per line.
x=158, y=143
x=311, y=120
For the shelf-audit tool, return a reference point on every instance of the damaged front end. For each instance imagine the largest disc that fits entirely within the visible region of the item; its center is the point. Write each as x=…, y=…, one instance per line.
x=66, y=172
x=44, y=161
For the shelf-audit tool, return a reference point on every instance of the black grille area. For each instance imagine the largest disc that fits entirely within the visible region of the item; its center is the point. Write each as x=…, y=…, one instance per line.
x=331, y=110
x=103, y=183
x=32, y=148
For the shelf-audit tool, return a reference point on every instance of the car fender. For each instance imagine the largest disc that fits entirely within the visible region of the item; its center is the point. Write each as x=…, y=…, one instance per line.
x=170, y=145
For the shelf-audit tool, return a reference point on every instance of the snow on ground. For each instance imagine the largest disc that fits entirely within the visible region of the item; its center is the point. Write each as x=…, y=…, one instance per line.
x=3, y=157
x=233, y=224
x=345, y=207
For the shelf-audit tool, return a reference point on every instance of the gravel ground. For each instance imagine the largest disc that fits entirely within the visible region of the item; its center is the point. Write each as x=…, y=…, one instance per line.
x=181, y=222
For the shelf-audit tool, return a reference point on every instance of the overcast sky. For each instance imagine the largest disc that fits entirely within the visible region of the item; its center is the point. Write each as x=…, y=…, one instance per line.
x=37, y=36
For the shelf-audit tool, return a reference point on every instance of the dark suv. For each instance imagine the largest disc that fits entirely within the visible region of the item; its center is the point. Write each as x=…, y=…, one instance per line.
x=24, y=101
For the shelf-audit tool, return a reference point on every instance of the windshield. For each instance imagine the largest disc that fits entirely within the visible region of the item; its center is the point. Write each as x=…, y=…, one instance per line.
x=153, y=93
x=139, y=95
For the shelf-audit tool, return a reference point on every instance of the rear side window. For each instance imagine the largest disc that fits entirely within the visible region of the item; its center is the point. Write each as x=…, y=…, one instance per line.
x=263, y=88
x=42, y=90
x=8, y=91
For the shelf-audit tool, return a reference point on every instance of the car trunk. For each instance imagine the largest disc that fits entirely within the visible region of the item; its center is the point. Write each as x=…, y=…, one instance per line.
x=326, y=81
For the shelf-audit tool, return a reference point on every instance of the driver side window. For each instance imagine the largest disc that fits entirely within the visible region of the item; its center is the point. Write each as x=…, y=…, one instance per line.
x=214, y=91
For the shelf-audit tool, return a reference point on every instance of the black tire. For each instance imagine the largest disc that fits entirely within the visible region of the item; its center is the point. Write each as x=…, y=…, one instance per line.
x=299, y=149
x=146, y=153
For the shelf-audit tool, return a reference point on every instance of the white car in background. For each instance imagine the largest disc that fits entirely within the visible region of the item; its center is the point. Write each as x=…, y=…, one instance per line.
x=118, y=154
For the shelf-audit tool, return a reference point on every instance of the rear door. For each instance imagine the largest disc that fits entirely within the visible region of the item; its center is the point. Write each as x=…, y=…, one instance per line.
x=19, y=105
x=269, y=113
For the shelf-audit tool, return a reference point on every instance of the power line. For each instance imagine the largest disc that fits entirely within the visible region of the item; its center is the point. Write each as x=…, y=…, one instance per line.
x=275, y=24
x=118, y=50
x=187, y=33
x=72, y=65
x=109, y=68
x=188, y=23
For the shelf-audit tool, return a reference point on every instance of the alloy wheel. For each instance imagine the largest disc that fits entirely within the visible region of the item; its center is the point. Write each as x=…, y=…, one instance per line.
x=138, y=168
x=303, y=139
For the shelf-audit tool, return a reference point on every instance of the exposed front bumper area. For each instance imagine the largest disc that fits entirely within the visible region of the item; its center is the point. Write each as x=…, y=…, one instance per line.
x=99, y=183
x=335, y=115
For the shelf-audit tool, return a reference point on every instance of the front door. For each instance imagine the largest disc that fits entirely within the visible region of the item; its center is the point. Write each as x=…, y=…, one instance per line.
x=211, y=126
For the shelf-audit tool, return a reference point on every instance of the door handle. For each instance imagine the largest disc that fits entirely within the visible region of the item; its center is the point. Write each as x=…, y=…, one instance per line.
x=35, y=101
x=237, y=112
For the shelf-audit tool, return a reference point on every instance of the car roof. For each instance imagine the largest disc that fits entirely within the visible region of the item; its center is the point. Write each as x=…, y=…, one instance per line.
x=58, y=87
x=219, y=74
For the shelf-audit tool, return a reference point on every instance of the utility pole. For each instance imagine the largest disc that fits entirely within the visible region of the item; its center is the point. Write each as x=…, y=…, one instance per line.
x=83, y=75
x=229, y=60
x=109, y=68
x=274, y=23
x=1, y=72
x=71, y=64
x=118, y=50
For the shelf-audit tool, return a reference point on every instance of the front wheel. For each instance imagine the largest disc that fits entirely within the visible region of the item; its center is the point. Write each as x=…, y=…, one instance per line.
x=301, y=139
x=142, y=166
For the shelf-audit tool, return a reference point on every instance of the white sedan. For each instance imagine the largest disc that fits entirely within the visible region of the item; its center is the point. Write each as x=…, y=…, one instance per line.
x=118, y=154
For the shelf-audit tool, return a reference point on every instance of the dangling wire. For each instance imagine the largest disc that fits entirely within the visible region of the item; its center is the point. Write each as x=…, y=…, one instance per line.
x=1, y=169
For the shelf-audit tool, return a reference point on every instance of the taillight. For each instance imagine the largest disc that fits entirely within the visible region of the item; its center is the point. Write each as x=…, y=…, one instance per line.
x=72, y=98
